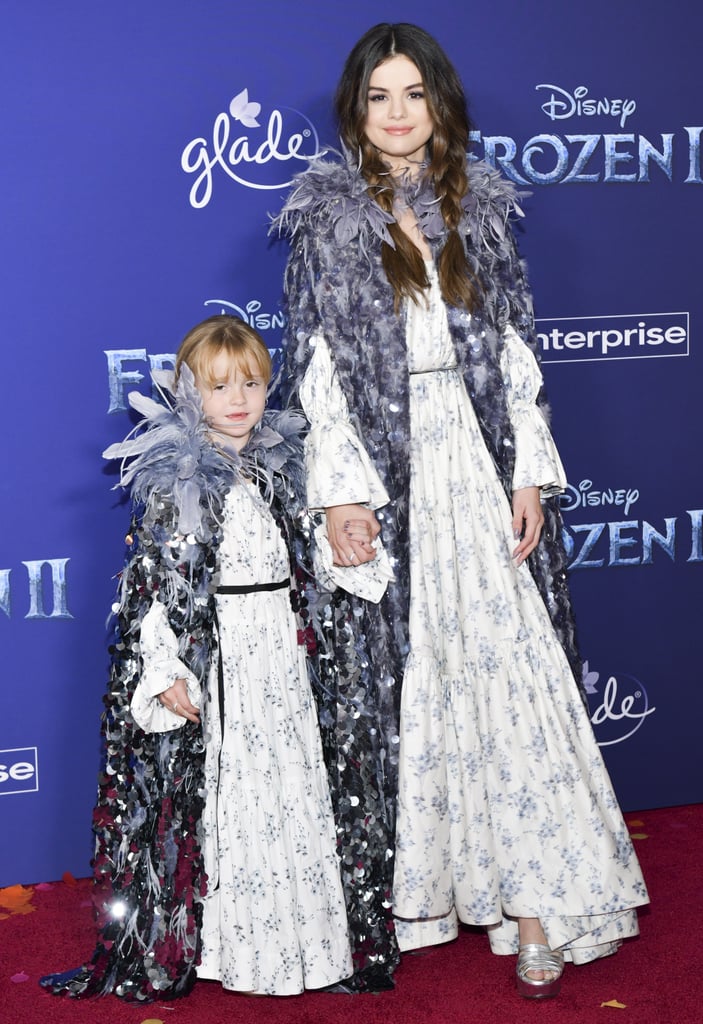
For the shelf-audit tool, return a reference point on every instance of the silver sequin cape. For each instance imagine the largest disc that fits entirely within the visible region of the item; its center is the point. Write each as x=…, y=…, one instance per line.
x=147, y=867
x=336, y=286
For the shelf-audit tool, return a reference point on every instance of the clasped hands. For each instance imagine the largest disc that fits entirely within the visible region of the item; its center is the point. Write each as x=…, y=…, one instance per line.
x=351, y=530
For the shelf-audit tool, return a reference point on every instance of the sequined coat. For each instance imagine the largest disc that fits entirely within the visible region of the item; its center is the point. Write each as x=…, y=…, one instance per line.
x=147, y=867
x=336, y=287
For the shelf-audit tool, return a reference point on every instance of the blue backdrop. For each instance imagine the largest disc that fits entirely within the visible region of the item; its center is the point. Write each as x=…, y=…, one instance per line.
x=144, y=146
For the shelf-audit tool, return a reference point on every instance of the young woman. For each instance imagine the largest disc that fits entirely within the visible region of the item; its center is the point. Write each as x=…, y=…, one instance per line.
x=411, y=349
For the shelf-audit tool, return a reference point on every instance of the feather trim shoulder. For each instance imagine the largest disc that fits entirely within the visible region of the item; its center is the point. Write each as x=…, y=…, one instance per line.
x=168, y=460
x=274, y=458
x=490, y=203
x=332, y=196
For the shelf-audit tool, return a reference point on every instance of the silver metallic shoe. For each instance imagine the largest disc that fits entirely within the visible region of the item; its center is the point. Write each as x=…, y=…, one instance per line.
x=534, y=956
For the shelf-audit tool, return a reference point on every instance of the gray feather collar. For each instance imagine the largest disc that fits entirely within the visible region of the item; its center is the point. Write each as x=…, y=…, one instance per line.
x=335, y=193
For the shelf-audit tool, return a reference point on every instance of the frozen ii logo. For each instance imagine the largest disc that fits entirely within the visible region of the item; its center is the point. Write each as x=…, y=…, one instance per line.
x=588, y=156
x=619, y=705
x=624, y=540
x=255, y=152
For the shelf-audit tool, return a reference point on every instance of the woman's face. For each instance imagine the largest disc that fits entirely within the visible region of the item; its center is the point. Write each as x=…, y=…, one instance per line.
x=398, y=122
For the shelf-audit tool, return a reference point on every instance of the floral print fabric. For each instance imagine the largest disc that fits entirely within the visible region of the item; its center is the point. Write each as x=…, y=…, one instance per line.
x=505, y=806
x=274, y=919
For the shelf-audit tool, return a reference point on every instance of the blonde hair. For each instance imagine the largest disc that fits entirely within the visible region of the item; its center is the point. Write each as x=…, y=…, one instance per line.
x=208, y=339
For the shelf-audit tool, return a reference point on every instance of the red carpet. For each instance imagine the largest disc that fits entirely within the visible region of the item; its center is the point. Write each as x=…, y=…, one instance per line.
x=656, y=979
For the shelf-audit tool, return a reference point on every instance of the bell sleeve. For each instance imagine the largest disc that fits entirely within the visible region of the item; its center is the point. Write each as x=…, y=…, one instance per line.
x=161, y=668
x=339, y=471
x=338, y=468
x=537, y=461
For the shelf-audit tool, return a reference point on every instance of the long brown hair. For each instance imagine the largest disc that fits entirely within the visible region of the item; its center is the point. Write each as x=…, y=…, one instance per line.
x=446, y=103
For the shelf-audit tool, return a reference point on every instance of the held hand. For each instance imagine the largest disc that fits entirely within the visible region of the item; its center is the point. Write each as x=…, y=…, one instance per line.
x=176, y=699
x=350, y=531
x=528, y=520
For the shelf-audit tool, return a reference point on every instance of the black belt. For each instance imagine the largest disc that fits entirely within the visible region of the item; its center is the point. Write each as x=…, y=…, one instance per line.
x=253, y=588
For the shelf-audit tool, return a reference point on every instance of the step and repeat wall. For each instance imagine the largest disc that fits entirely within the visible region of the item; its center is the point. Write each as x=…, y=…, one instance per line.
x=145, y=146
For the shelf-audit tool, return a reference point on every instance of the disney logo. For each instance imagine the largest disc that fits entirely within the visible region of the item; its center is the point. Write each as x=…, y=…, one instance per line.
x=244, y=157
x=562, y=104
x=583, y=496
x=250, y=314
x=623, y=708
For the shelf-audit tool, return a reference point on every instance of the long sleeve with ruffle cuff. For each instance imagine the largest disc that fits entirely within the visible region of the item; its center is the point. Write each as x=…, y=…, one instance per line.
x=537, y=461
x=338, y=468
x=161, y=668
x=339, y=471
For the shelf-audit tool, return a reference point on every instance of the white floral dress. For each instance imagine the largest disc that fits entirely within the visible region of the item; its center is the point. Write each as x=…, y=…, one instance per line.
x=505, y=807
x=274, y=915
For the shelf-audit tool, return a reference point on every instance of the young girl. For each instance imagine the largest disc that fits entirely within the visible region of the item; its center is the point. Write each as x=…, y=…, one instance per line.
x=411, y=348
x=215, y=843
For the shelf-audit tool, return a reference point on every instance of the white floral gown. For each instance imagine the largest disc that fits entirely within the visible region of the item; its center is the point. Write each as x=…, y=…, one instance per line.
x=274, y=915
x=505, y=806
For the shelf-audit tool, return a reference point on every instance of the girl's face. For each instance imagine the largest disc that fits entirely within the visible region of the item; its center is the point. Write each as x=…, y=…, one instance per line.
x=235, y=401
x=398, y=122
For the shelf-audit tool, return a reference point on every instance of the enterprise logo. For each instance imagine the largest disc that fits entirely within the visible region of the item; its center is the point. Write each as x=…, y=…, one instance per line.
x=593, y=338
x=19, y=771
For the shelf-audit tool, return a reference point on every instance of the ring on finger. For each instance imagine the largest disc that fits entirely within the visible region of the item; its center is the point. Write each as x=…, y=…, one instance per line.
x=175, y=704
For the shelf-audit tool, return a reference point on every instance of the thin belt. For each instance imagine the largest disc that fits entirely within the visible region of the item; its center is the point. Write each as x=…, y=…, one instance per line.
x=432, y=369
x=253, y=588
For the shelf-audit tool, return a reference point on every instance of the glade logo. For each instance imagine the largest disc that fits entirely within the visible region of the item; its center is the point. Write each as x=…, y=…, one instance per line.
x=19, y=771
x=252, y=158
x=563, y=104
x=592, y=338
x=623, y=707
x=585, y=496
